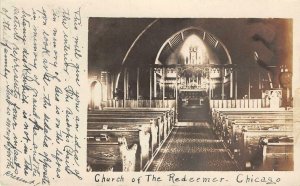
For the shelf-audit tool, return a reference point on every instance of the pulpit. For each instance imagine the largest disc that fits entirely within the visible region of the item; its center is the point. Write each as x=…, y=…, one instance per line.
x=275, y=97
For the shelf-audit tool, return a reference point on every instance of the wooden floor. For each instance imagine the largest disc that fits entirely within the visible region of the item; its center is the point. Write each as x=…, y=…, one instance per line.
x=192, y=146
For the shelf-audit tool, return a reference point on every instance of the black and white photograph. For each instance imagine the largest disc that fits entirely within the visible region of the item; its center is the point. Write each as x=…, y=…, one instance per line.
x=190, y=94
x=137, y=92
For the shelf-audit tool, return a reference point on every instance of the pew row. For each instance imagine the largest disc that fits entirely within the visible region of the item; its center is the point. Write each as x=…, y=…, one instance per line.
x=162, y=128
x=233, y=133
x=144, y=130
x=110, y=155
x=145, y=127
x=231, y=126
x=169, y=111
x=277, y=154
x=243, y=131
x=224, y=119
x=219, y=116
x=222, y=128
x=250, y=154
x=136, y=139
x=163, y=121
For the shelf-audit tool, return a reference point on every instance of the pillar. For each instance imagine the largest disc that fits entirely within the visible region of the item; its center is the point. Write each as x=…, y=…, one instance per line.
x=249, y=87
x=150, y=88
x=124, y=86
x=235, y=82
x=137, y=85
x=163, y=78
x=210, y=83
x=231, y=83
x=176, y=94
x=222, y=77
x=127, y=84
x=154, y=84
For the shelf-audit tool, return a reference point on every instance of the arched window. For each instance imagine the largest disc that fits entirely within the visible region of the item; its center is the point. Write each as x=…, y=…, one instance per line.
x=95, y=95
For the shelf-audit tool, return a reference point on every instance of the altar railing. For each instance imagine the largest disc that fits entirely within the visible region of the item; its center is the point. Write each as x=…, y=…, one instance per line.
x=240, y=103
x=168, y=103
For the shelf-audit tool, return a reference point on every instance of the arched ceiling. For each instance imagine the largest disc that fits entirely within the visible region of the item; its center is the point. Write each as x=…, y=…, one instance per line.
x=212, y=44
x=110, y=39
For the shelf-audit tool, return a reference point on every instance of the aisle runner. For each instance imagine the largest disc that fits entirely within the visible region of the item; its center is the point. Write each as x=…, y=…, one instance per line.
x=193, y=147
x=193, y=113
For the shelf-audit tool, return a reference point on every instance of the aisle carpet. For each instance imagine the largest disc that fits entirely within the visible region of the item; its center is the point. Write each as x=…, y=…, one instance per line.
x=193, y=113
x=193, y=147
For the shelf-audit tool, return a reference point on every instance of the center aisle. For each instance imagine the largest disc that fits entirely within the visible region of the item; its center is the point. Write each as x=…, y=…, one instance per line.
x=193, y=147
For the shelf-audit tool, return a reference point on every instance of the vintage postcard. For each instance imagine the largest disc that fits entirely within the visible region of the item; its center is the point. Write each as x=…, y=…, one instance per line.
x=142, y=93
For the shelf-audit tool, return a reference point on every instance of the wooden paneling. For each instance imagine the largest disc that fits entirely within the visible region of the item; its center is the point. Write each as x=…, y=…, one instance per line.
x=240, y=103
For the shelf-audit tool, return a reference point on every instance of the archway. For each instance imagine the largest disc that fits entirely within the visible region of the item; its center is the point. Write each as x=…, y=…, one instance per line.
x=95, y=95
x=191, y=55
x=201, y=70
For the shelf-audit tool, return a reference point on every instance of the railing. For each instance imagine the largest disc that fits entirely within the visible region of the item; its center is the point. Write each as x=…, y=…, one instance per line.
x=142, y=103
x=240, y=103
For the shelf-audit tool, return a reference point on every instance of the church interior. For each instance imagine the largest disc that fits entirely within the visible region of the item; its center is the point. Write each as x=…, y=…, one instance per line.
x=190, y=94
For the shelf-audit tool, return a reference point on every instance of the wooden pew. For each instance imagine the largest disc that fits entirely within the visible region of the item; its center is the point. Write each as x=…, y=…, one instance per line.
x=216, y=113
x=220, y=120
x=261, y=116
x=138, y=109
x=219, y=113
x=143, y=128
x=242, y=130
x=229, y=121
x=165, y=114
x=161, y=116
x=234, y=131
x=110, y=155
x=249, y=144
x=134, y=138
x=238, y=115
x=223, y=121
x=277, y=154
x=146, y=127
x=169, y=111
x=222, y=128
x=236, y=123
x=158, y=126
x=218, y=110
x=162, y=129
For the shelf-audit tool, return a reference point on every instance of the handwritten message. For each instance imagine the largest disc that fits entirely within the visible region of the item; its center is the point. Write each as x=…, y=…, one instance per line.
x=41, y=59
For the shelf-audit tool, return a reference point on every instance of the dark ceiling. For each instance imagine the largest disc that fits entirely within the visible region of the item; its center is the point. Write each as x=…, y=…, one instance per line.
x=110, y=39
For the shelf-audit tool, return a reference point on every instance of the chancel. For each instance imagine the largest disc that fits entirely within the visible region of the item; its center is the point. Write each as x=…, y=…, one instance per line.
x=190, y=95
